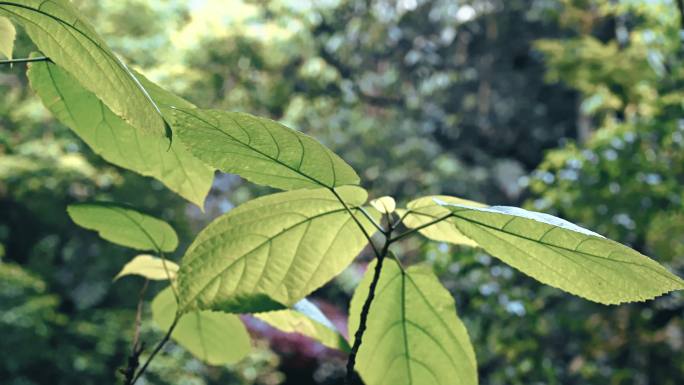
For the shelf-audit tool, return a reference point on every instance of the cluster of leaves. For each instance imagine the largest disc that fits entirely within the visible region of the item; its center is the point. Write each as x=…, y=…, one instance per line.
x=267, y=255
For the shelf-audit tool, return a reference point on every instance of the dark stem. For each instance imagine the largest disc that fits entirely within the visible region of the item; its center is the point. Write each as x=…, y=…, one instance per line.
x=156, y=350
x=358, y=336
x=25, y=60
x=137, y=348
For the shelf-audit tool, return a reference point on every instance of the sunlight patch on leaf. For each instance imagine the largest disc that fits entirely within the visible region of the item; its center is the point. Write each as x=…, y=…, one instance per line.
x=149, y=267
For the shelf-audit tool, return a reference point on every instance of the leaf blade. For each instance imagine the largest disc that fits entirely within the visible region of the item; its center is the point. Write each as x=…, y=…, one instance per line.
x=563, y=255
x=214, y=338
x=7, y=36
x=124, y=226
x=150, y=267
x=261, y=150
x=413, y=334
x=117, y=141
x=423, y=210
x=60, y=33
x=231, y=265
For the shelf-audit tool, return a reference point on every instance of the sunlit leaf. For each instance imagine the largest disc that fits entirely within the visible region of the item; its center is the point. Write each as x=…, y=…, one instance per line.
x=149, y=267
x=423, y=210
x=261, y=150
x=213, y=337
x=270, y=252
x=561, y=254
x=385, y=205
x=7, y=35
x=305, y=318
x=60, y=33
x=413, y=334
x=125, y=226
x=117, y=141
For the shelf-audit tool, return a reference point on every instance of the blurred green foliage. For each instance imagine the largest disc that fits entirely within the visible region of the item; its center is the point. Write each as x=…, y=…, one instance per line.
x=442, y=96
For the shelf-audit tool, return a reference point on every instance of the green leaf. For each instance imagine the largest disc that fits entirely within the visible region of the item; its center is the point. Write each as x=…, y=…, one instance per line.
x=261, y=150
x=58, y=31
x=413, y=334
x=125, y=226
x=270, y=252
x=305, y=318
x=117, y=141
x=385, y=205
x=561, y=254
x=213, y=337
x=423, y=210
x=149, y=267
x=7, y=36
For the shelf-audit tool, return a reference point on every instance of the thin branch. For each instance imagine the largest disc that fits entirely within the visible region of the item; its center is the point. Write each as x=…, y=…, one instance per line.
x=363, y=229
x=25, y=60
x=137, y=348
x=413, y=230
x=351, y=361
x=372, y=220
x=156, y=350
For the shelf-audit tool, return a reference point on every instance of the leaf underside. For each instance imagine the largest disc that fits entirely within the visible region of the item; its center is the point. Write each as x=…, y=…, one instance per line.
x=413, y=334
x=261, y=150
x=270, y=252
x=58, y=31
x=117, y=141
x=125, y=226
x=213, y=337
x=306, y=319
x=561, y=254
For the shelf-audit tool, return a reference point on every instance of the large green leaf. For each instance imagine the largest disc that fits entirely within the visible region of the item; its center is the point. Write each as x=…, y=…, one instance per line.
x=270, y=252
x=423, y=210
x=261, y=150
x=413, y=334
x=213, y=337
x=561, y=254
x=150, y=267
x=117, y=141
x=125, y=226
x=60, y=33
x=7, y=35
x=307, y=319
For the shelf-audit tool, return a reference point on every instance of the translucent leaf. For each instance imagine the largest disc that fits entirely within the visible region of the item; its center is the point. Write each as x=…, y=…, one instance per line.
x=305, y=318
x=270, y=252
x=384, y=204
x=7, y=35
x=423, y=210
x=261, y=150
x=149, y=267
x=58, y=31
x=564, y=255
x=117, y=141
x=213, y=337
x=125, y=226
x=413, y=334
